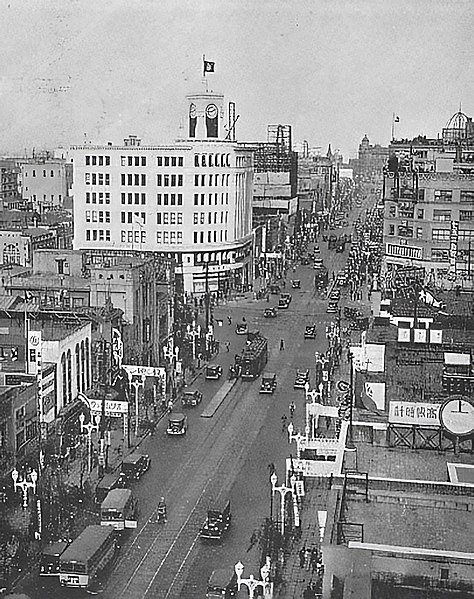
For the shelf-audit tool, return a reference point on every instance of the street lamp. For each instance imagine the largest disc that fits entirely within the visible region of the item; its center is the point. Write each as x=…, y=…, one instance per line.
x=252, y=583
x=136, y=386
x=25, y=484
x=89, y=428
x=350, y=446
x=283, y=490
x=298, y=437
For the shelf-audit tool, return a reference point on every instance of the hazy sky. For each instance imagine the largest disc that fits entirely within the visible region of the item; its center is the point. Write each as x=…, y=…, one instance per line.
x=334, y=69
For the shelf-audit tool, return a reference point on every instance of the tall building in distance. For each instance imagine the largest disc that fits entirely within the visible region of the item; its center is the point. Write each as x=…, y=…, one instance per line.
x=190, y=201
x=428, y=192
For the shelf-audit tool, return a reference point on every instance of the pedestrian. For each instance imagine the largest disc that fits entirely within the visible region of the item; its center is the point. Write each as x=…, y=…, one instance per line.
x=243, y=319
x=292, y=409
x=282, y=344
x=283, y=423
x=314, y=558
x=302, y=554
x=308, y=558
x=227, y=346
x=229, y=320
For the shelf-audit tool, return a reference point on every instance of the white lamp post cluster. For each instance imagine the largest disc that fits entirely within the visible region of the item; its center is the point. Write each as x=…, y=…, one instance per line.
x=301, y=440
x=283, y=490
x=24, y=484
x=90, y=427
x=137, y=385
x=252, y=583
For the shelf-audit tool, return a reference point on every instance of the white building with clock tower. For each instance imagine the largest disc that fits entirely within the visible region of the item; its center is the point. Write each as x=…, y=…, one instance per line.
x=190, y=200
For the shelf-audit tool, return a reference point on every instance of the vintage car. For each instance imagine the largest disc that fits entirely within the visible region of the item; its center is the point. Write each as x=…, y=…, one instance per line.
x=284, y=301
x=112, y=480
x=332, y=308
x=213, y=372
x=270, y=313
x=177, y=424
x=191, y=398
x=310, y=332
x=335, y=295
x=352, y=313
x=134, y=466
x=269, y=382
x=241, y=328
x=296, y=284
x=318, y=264
x=274, y=289
x=301, y=378
x=316, y=251
x=217, y=522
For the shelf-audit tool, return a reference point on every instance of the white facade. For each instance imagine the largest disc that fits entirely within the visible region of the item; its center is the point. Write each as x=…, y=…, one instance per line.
x=191, y=200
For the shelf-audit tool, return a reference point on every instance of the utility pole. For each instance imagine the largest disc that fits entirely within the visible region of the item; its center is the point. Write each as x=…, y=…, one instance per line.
x=207, y=297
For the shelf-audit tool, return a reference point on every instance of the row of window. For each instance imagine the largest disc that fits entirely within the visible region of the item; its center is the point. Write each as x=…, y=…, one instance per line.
x=97, y=197
x=170, y=161
x=97, y=216
x=94, y=160
x=133, y=160
x=212, y=160
x=171, y=237
x=45, y=173
x=138, y=218
x=199, y=218
x=213, y=199
x=33, y=197
x=97, y=178
x=211, y=180
x=405, y=230
x=171, y=199
x=446, y=195
x=132, y=179
x=438, y=215
x=169, y=180
x=212, y=236
x=169, y=218
x=97, y=235
x=133, y=198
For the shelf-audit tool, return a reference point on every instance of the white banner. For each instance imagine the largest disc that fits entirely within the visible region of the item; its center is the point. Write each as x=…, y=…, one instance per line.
x=407, y=412
x=133, y=370
x=112, y=408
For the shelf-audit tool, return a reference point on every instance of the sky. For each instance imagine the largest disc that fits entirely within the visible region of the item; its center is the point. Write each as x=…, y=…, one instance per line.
x=100, y=70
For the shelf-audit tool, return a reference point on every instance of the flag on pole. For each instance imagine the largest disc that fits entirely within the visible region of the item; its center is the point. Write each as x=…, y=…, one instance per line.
x=208, y=66
x=138, y=219
x=396, y=119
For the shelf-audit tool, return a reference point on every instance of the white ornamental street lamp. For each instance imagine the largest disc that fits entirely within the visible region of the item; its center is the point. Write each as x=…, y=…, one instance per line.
x=89, y=428
x=137, y=385
x=252, y=583
x=283, y=490
x=301, y=440
x=25, y=484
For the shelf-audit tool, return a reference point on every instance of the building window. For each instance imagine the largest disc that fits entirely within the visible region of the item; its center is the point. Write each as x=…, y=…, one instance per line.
x=159, y=161
x=196, y=160
x=158, y=199
x=195, y=236
x=159, y=180
x=438, y=255
x=443, y=195
x=465, y=215
x=467, y=195
x=392, y=212
x=196, y=199
x=180, y=199
x=195, y=218
x=440, y=234
x=419, y=232
x=420, y=213
x=179, y=237
x=202, y=217
x=441, y=215
x=391, y=229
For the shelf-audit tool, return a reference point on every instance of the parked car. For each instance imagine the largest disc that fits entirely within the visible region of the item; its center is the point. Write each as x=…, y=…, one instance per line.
x=269, y=382
x=270, y=313
x=177, y=424
x=241, y=328
x=296, y=284
x=310, y=332
x=284, y=301
x=332, y=308
x=335, y=295
x=134, y=466
x=318, y=263
x=275, y=289
x=191, y=398
x=301, y=378
x=316, y=251
x=213, y=372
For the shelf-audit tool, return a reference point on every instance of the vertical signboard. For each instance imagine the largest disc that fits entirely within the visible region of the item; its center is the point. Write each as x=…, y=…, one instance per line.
x=34, y=346
x=453, y=246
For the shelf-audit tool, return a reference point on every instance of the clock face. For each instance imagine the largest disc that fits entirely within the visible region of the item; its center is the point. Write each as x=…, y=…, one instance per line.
x=211, y=111
x=192, y=110
x=457, y=416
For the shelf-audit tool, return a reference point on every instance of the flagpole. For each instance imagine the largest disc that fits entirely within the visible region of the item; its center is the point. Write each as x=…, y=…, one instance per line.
x=393, y=126
x=204, y=71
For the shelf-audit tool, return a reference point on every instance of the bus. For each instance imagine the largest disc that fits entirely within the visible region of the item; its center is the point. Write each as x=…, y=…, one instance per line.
x=49, y=562
x=85, y=558
x=252, y=361
x=119, y=509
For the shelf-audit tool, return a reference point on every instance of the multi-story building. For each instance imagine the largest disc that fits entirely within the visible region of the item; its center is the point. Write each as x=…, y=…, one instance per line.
x=190, y=201
x=429, y=205
x=44, y=181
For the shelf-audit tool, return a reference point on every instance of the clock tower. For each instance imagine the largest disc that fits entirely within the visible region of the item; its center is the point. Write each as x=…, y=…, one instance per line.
x=205, y=116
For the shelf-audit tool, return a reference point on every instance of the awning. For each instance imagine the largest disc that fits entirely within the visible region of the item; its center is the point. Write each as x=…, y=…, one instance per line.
x=457, y=359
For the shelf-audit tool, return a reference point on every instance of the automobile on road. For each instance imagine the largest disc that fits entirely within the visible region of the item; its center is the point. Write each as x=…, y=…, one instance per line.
x=191, y=398
x=217, y=521
x=177, y=424
x=284, y=301
x=335, y=295
x=310, y=332
x=296, y=284
x=241, y=328
x=301, y=378
x=134, y=466
x=270, y=313
x=269, y=382
x=213, y=372
x=332, y=308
